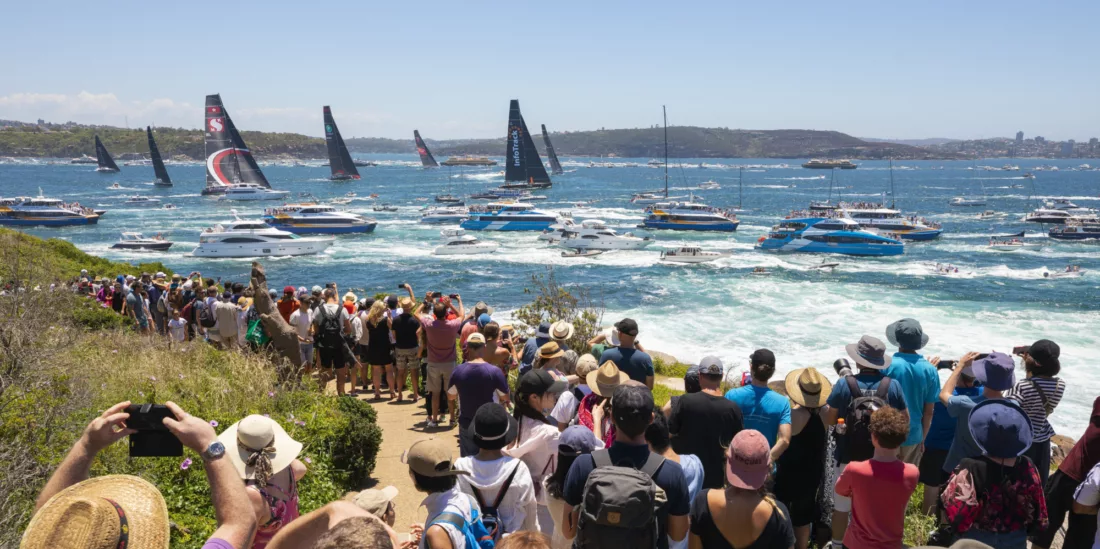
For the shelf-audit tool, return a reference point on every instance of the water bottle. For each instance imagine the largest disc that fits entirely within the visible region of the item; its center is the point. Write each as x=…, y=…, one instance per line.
x=841, y=428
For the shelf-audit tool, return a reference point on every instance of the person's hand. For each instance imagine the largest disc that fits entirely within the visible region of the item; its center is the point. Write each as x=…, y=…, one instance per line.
x=416, y=531
x=934, y=361
x=107, y=429
x=194, y=433
x=966, y=360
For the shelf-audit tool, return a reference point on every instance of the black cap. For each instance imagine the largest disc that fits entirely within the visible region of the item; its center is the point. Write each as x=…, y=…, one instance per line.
x=537, y=382
x=493, y=428
x=630, y=402
x=391, y=301
x=1046, y=353
x=762, y=356
x=627, y=326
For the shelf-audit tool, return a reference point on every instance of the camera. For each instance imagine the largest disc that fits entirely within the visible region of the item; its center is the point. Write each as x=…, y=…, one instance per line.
x=152, y=438
x=401, y=286
x=453, y=296
x=437, y=295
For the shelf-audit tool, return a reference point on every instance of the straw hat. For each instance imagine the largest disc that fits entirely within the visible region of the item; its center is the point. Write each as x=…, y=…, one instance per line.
x=606, y=379
x=101, y=513
x=260, y=437
x=550, y=350
x=561, y=330
x=807, y=387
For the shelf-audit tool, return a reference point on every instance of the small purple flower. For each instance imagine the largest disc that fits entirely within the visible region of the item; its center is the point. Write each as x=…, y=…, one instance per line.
x=271, y=394
x=307, y=460
x=141, y=393
x=114, y=351
x=181, y=376
x=186, y=464
x=213, y=423
x=268, y=416
x=153, y=379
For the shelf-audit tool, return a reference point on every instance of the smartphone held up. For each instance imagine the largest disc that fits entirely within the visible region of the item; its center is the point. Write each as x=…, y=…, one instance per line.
x=152, y=438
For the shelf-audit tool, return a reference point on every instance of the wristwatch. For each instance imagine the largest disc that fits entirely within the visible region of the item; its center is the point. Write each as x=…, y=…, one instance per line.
x=213, y=452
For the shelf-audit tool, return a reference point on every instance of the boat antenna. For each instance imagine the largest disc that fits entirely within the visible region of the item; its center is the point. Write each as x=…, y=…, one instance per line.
x=740, y=169
x=893, y=194
x=832, y=179
x=664, y=113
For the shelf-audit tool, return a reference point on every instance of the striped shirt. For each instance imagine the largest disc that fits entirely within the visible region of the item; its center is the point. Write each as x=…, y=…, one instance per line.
x=1032, y=402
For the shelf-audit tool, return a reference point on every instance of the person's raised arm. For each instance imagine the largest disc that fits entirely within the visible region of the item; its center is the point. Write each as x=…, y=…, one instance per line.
x=232, y=509
x=461, y=310
x=102, y=432
x=948, y=389
x=412, y=296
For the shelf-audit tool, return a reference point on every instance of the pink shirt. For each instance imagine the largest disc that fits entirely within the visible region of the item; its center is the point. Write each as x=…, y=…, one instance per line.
x=441, y=338
x=879, y=491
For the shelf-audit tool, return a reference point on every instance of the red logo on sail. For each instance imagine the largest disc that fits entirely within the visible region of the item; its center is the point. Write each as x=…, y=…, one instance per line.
x=214, y=110
x=215, y=125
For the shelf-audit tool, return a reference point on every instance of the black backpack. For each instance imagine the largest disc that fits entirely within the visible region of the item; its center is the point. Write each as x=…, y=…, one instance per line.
x=206, y=315
x=620, y=506
x=490, y=514
x=330, y=333
x=858, y=418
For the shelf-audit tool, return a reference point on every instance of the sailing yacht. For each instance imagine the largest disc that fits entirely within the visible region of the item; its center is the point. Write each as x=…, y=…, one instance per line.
x=161, y=173
x=523, y=167
x=106, y=164
x=654, y=197
x=339, y=159
x=555, y=166
x=229, y=162
x=249, y=191
x=426, y=158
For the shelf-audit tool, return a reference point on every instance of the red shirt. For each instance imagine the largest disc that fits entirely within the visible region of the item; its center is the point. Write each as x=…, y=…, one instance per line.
x=287, y=306
x=880, y=491
x=1086, y=452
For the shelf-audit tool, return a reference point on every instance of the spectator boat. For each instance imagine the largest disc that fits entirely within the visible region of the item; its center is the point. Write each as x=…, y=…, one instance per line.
x=241, y=238
x=689, y=216
x=596, y=235
x=457, y=242
x=447, y=214
x=138, y=241
x=1076, y=230
x=508, y=216
x=824, y=235
x=891, y=220
x=137, y=200
x=44, y=212
x=251, y=191
x=690, y=255
x=311, y=218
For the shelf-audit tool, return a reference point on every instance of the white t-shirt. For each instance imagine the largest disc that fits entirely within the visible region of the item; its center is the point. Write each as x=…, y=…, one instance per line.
x=1088, y=494
x=451, y=501
x=178, y=329
x=538, y=449
x=567, y=405
x=301, y=320
x=517, y=510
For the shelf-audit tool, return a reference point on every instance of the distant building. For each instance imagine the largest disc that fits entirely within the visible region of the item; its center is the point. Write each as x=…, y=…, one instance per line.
x=1019, y=138
x=1040, y=140
x=41, y=122
x=1067, y=148
x=1094, y=145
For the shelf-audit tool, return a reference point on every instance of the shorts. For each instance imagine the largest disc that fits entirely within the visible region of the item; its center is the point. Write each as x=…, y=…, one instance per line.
x=931, y=467
x=439, y=376
x=307, y=353
x=803, y=509
x=406, y=358
x=332, y=358
x=361, y=352
x=910, y=454
x=841, y=504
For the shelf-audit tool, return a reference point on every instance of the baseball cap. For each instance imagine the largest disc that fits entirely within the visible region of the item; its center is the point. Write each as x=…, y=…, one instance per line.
x=996, y=371
x=288, y=289
x=691, y=379
x=712, y=365
x=476, y=339
x=537, y=382
x=748, y=460
x=1046, y=353
x=493, y=428
x=374, y=501
x=483, y=319
x=160, y=275
x=627, y=326
x=431, y=457
x=316, y=289
x=391, y=301
x=577, y=440
x=629, y=402
x=762, y=356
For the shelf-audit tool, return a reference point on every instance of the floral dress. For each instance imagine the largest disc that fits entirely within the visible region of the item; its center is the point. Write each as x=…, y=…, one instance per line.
x=987, y=496
x=282, y=512
x=584, y=417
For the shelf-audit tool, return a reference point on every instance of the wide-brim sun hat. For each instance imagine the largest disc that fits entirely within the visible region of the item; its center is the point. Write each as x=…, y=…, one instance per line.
x=256, y=433
x=91, y=514
x=561, y=330
x=806, y=387
x=605, y=379
x=1000, y=428
x=869, y=352
x=907, y=334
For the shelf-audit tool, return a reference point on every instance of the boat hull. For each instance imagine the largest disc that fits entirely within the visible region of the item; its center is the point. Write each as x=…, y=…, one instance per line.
x=919, y=236
x=801, y=245
x=213, y=191
x=1073, y=236
x=158, y=247
x=276, y=195
x=107, y=170
x=728, y=227
x=477, y=224
x=690, y=259
x=477, y=249
x=439, y=220
x=263, y=249
x=585, y=244
x=48, y=222
x=306, y=228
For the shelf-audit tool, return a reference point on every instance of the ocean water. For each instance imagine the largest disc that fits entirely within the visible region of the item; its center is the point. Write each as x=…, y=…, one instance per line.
x=997, y=301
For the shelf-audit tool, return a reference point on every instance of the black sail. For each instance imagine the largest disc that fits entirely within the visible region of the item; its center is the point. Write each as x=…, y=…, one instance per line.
x=555, y=166
x=426, y=157
x=158, y=163
x=103, y=158
x=521, y=159
x=339, y=159
x=228, y=160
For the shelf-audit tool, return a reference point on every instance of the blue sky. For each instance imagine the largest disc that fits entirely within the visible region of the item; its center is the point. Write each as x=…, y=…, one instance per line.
x=876, y=69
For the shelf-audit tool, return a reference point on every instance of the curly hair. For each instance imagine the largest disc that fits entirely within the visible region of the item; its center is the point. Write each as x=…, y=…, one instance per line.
x=890, y=427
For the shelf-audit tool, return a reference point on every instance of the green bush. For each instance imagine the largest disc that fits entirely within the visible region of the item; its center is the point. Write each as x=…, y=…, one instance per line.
x=357, y=445
x=87, y=314
x=675, y=369
x=555, y=302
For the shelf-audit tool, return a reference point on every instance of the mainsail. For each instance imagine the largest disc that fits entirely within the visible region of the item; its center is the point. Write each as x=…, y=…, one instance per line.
x=426, y=157
x=228, y=160
x=158, y=164
x=103, y=158
x=339, y=159
x=522, y=161
x=555, y=166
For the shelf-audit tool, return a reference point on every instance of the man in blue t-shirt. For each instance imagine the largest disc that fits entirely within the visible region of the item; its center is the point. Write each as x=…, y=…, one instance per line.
x=631, y=412
x=474, y=383
x=996, y=374
x=762, y=408
x=940, y=434
x=634, y=362
x=919, y=381
x=869, y=355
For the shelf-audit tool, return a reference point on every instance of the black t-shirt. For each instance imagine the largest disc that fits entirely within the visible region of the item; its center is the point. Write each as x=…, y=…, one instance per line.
x=777, y=534
x=703, y=425
x=404, y=328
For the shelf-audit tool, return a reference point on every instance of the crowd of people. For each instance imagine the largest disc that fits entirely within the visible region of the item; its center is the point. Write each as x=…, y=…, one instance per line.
x=574, y=451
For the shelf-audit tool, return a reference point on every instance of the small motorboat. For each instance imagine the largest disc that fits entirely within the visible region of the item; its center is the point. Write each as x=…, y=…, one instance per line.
x=448, y=199
x=1011, y=245
x=385, y=208
x=142, y=201
x=1072, y=271
x=137, y=241
x=115, y=186
x=966, y=202
x=170, y=207
x=990, y=214
x=690, y=255
x=457, y=242
x=826, y=265
x=709, y=186
x=581, y=253
x=760, y=271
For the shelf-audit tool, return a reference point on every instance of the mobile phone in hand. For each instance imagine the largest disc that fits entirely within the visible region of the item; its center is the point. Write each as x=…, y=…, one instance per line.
x=152, y=438
x=453, y=296
x=946, y=364
x=1021, y=350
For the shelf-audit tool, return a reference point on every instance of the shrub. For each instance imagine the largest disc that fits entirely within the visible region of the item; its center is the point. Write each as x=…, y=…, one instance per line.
x=87, y=314
x=555, y=302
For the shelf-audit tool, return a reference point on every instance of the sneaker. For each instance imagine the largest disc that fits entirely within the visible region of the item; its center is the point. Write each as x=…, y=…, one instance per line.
x=431, y=424
x=454, y=421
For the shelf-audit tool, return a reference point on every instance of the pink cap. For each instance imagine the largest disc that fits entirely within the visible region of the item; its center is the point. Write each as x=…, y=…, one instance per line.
x=748, y=460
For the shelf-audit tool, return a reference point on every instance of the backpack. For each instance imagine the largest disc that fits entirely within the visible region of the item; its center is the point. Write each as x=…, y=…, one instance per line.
x=330, y=332
x=162, y=303
x=490, y=514
x=620, y=505
x=206, y=315
x=477, y=536
x=858, y=417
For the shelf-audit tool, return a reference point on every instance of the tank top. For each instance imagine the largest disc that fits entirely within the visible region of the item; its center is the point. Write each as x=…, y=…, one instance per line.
x=801, y=468
x=282, y=511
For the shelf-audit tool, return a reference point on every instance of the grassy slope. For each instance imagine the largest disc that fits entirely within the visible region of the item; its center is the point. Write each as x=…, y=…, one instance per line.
x=170, y=141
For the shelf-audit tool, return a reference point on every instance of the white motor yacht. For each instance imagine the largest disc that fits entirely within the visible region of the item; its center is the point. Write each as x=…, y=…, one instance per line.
x=596, y=235
x=142, y=201
x=556, y=232
x=963, y=201
x=690, y=255
x=255, y=239
x=250, y=191
x=138, y=241
x=457, y=242
x=444, y=215
x=709, y=186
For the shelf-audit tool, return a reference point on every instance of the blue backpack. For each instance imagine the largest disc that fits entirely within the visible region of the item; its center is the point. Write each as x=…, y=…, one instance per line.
x=476, y=534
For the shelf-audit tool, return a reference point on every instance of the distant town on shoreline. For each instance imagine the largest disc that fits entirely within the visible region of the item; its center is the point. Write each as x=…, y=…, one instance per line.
x=43, y=139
